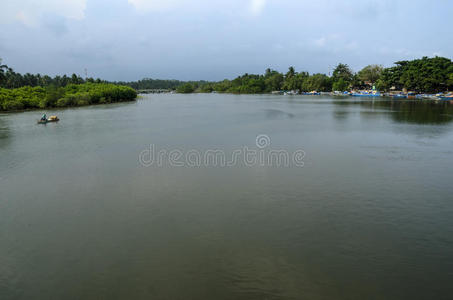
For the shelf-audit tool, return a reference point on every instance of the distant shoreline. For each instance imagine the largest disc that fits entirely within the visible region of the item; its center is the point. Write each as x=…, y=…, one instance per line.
x=398, y=95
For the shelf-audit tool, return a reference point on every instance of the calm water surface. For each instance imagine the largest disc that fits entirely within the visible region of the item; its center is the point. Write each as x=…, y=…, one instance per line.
x=369, y=216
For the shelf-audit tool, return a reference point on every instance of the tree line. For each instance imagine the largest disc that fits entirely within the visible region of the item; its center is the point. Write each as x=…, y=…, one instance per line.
x=29, y=91
x=71, y=95
x=425, y=75
x=153, y=84
x=10, y=79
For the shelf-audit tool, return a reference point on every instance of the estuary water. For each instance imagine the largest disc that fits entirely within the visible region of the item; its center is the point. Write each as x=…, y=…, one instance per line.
x=85, y=213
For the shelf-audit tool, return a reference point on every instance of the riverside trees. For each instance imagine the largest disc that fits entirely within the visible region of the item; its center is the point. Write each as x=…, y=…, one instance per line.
x=71, y=95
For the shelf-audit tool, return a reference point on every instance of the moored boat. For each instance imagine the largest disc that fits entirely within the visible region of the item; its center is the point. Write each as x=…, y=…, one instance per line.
x=399, y=96
x=313, y=93
x=446, y=97
x=366, y=94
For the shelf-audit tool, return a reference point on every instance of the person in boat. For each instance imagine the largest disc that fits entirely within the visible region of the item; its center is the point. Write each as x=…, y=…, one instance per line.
x=44, y=117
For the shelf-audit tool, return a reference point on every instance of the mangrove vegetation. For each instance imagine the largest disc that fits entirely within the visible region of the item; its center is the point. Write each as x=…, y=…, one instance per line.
x=28, y=97
x=18, y=92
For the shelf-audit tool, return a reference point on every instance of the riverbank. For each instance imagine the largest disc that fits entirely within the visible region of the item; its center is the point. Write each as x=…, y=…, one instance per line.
x=373, y=94
x=422, y=76
x=73, y=95
x=361, y=94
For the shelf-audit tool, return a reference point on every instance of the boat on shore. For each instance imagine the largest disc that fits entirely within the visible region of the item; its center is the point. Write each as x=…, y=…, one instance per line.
x=366, y=94
x=399, y=96
x=447, y=97
x=312, y=93
x=374, y=94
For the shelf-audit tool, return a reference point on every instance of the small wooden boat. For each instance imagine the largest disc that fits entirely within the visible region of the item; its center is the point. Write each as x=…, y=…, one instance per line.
x=51, y=119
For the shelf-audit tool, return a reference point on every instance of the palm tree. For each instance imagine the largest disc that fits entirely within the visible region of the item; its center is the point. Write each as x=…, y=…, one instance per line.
x=3, y=69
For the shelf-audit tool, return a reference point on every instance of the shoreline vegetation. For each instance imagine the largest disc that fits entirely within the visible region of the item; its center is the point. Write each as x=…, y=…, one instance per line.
x=428, y=76
x=425, y=77
x=72, y=95
x=29, y=91
x=25, y=92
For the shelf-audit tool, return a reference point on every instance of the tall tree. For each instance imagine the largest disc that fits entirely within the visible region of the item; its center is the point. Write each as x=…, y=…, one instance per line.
x=371, y=73
x=291, y=72
x=343, y=71
x=342, y=77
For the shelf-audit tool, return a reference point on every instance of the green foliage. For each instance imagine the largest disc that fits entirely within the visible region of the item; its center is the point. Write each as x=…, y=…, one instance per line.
x=422, y=75
x=273, y=80
x=10, y=79
x=270, y=81
x=340, y=85
x=317, y=82
x=342, y=77
x=186, y=88
x=370, y=73
x=53, y=93
x=450, y=80
x=153, y=84
x=294, y=81
x=246, y=84
x=72, y=95
x=342, y=71
x=206, y=88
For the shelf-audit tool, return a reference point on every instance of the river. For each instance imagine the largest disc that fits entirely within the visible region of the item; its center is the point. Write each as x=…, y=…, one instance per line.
x=365, y=213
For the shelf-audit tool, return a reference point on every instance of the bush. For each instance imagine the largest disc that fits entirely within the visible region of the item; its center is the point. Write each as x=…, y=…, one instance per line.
x=185, y=88
x=71, y=95
x=12, y=105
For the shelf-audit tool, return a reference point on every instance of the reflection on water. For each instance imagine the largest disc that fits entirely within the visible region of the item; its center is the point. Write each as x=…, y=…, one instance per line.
x=369, y=216
x=4, y=130
x=416, y=112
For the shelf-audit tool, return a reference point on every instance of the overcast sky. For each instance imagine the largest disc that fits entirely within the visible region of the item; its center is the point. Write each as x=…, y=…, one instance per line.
x=217, y=39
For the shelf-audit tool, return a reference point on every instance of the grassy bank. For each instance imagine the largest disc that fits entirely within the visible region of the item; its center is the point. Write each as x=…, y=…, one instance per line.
x=69, y=96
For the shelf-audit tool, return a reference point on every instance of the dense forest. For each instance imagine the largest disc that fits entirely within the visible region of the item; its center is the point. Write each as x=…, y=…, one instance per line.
x=425, y=75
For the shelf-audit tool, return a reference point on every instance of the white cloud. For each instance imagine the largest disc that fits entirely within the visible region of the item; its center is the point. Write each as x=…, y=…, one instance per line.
x=253, y=7
x=257, y=6
x=30, y=11
x=155, y=5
